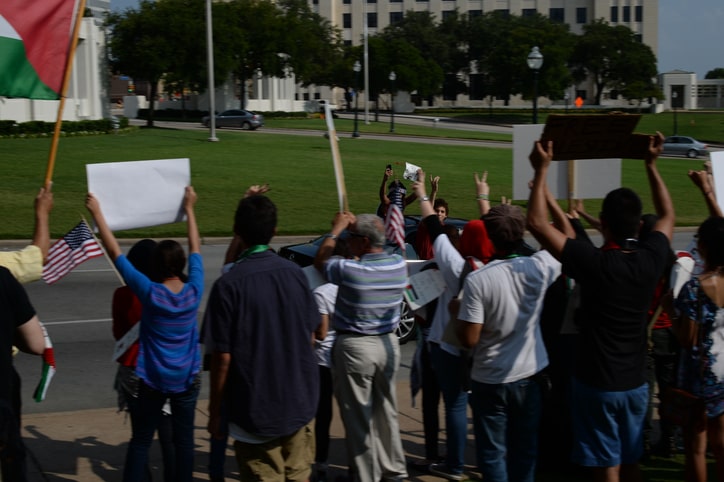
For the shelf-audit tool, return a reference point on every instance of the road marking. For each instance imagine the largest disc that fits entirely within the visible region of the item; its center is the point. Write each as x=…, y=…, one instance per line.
x=75, y=322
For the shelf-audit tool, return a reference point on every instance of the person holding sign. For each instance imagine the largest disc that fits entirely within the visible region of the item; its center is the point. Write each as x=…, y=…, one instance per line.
x=617, y=281
x=169, y=356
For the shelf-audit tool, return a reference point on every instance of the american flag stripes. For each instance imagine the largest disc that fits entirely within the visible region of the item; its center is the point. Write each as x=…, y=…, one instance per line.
x=68, y=252
x=395, y=226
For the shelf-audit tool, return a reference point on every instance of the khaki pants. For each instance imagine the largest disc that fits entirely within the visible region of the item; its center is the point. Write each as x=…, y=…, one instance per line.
x=279, y=460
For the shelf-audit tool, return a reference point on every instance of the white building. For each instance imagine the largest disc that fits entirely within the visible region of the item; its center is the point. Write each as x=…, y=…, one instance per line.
x=683, y=91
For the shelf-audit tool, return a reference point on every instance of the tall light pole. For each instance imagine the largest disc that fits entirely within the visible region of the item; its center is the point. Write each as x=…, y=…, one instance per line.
x=210, y=61
x=357, y=68
x=393, y=76
x=674, y=96
x=535, y=62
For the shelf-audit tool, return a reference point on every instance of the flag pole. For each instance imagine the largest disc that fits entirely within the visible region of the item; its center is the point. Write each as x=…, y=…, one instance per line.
x=63, y=90
x=105, y=253
x=336, y=159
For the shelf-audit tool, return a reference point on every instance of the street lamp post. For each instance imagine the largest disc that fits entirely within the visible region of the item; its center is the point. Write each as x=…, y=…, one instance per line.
x=674, y=96
x=356, y=67
x=535, y=62
x=566, y=97
x=393, y=76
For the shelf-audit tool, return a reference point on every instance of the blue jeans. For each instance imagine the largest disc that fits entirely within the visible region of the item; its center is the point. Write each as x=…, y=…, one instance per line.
x=145, y=418
x=506, y=418
x=450, y=371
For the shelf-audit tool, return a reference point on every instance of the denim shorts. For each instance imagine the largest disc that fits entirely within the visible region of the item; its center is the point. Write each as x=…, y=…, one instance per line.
x=608, y=427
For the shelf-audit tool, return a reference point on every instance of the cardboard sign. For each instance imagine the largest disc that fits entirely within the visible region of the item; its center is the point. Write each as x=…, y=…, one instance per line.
x=595, y=136
x=579, y=179
x=717, y=171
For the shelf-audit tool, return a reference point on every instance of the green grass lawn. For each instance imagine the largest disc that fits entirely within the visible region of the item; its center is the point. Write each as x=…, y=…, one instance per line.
x=298, y=168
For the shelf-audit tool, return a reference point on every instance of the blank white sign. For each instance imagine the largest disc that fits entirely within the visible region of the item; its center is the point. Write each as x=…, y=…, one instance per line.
x=138, y=194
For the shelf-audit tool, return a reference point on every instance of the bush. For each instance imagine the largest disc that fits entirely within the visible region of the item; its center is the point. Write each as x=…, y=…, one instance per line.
x=9, y=128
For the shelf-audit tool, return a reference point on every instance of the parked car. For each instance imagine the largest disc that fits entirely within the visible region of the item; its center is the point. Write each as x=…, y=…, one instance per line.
x=684, y=146
x=237, y=118
x=303, y=254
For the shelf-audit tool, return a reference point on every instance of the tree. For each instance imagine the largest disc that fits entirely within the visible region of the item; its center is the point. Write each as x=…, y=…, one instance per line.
x=717, y=73
x=139, y=46
x=613, y=58
x=499, y=45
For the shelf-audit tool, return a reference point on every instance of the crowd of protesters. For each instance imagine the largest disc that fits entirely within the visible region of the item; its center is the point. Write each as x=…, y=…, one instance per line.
x=280, y=349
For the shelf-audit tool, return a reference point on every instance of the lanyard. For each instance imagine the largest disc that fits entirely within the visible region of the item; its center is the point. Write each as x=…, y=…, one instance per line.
x=259, y=248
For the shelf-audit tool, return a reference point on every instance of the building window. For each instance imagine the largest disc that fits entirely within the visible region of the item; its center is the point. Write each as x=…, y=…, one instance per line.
x=475, y=13
x=346, y=2
x=395, y=17
x=447, y=14
x=315, y=2
x=422, y=0
x=529, y=12
x=372, y=20
x=614, y=14
x=627, y=14
x=639, y=13
x=371, y=1
x=581, y=15
x=557, y=15
x=347, y=20
x=395, y=1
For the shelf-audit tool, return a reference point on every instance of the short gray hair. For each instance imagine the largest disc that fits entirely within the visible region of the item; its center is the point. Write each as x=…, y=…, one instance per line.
x=370, y=225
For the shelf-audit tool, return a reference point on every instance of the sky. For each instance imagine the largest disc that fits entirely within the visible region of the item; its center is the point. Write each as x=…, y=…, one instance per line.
x=690, y=38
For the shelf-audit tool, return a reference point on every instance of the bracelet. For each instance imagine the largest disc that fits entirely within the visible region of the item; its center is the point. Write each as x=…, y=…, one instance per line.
x=330, y=235
x=483, y=197
x=424, y=198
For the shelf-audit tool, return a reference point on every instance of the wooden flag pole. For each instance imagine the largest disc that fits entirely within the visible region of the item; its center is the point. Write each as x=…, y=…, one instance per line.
x=338, y=171
x=63, y=90
x=105, y=253
x=571, y=181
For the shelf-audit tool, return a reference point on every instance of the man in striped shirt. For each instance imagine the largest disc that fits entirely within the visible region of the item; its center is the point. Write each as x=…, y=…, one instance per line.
x=366, y=355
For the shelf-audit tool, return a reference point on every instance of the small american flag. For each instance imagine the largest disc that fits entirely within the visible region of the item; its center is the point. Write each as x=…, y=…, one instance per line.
x=395, y=226
x=68, y=252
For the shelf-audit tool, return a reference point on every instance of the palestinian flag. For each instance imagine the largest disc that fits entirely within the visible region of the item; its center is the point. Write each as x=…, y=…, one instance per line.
x=35, y=37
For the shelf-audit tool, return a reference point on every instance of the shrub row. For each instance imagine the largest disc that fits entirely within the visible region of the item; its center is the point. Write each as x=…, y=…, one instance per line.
x=10, y=128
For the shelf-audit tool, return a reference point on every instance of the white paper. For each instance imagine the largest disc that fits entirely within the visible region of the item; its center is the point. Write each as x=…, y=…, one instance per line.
x=424, y=287
x=717, y=170
x=411, y=172
x=593, y=178
x=138, y=194
x=681, y=273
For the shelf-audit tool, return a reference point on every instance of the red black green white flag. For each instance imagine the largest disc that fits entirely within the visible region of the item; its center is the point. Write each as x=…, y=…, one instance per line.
x=35, y=39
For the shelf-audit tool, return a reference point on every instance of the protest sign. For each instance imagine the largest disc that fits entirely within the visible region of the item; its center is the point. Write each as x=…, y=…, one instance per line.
x=139, y=194
x=595, y=136
x=590, y=178
x=717, y=170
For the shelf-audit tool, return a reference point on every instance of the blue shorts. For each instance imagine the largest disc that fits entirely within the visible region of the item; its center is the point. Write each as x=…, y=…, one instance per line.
x=608, y=427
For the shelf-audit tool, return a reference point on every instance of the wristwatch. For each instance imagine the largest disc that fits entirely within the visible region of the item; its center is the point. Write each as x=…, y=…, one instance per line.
x=330, y=235
x=424, y=198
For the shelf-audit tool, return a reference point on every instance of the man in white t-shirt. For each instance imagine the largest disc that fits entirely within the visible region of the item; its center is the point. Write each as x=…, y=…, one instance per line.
x=499, y=316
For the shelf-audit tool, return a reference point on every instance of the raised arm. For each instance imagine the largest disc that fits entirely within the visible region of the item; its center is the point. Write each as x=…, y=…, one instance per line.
x=581, y=211
x=660, y=194
x=560, y=220
x=482, y=191
x=192, y=227
x=41, y=233
x=340, y=223
x=418, y=187
x=383, y=187
x=434, y=187
x=107, y=237
x=702, y=181
x=547, y=235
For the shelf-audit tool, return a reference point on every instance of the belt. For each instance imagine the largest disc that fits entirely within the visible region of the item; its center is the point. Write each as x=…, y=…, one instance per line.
x=356, y=333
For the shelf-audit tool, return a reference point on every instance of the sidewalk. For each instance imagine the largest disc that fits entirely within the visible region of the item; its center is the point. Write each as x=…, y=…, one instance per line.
x=90, y=445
